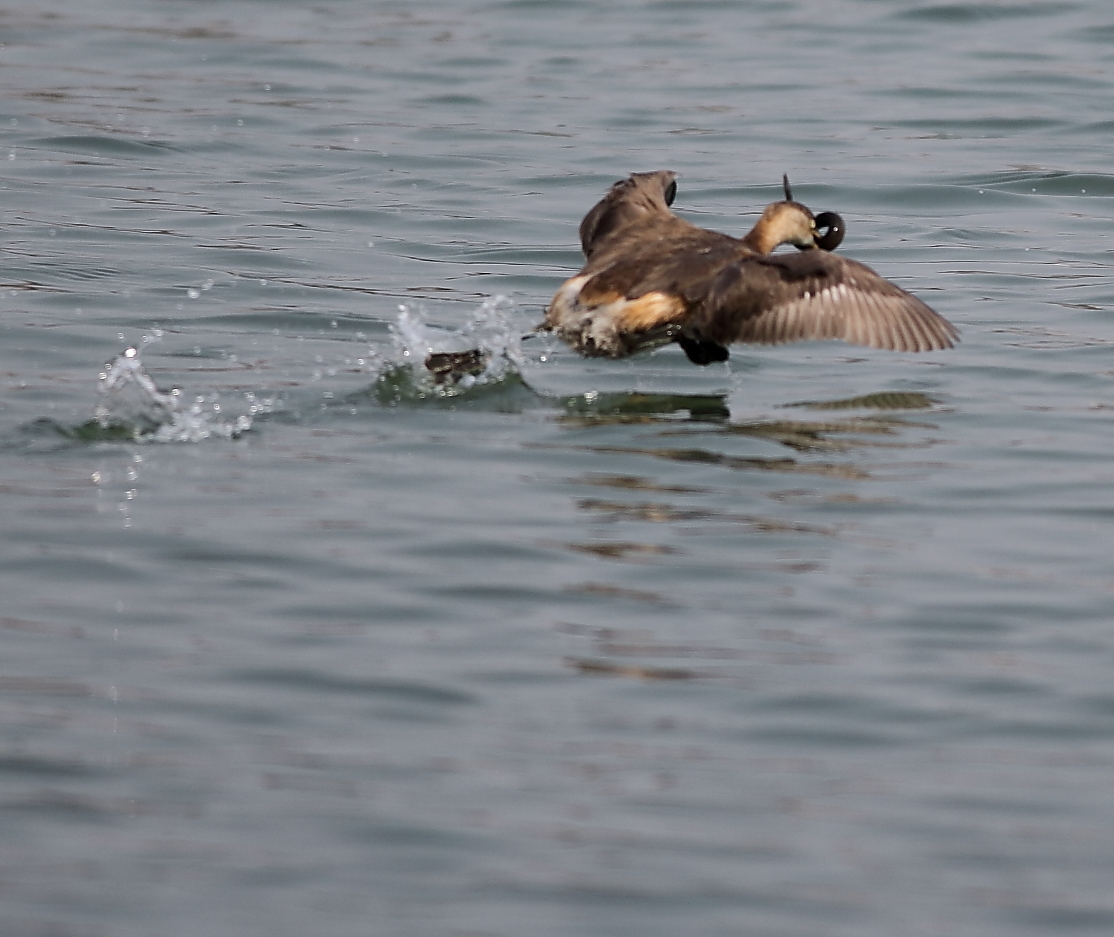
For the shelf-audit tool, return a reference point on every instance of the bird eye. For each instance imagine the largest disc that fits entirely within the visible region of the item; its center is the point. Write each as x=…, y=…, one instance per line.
x=670, y=192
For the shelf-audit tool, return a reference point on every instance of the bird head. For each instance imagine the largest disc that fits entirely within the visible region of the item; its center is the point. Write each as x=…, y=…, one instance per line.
x=826, y=229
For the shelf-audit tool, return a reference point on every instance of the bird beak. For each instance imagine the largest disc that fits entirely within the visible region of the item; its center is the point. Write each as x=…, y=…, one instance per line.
x=810, y=243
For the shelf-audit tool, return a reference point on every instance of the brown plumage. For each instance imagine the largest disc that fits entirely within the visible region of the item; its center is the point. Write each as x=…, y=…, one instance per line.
x=653, y=278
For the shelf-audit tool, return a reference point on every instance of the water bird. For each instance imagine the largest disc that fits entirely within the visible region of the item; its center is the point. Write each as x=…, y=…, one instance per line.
x=652, y=278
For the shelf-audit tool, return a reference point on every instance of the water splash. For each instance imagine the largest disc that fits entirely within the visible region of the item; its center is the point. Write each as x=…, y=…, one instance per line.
x=131, y=406
x=441, y=362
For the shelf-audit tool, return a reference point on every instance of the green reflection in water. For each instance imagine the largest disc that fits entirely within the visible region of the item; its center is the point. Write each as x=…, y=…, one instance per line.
x=884, y=400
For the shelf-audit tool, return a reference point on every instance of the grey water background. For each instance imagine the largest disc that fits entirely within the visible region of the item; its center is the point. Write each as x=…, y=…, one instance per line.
x=819, y=642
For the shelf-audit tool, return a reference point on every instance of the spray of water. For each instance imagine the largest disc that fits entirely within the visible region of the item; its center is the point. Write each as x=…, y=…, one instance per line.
x=426, y=361
x=130, y=403
x=447, y=362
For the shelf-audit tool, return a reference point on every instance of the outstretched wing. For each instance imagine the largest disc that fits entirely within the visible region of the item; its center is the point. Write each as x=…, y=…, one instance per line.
x=816, y=295
x=643, y=195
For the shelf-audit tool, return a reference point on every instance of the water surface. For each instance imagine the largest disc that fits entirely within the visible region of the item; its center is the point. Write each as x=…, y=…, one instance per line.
x=295, y=641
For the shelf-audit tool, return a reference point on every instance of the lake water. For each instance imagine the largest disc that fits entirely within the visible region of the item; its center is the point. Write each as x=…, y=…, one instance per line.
x=294, y=641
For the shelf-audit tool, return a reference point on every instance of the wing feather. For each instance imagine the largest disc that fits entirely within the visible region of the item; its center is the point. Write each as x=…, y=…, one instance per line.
x=816, y=295
x=643, y=195
x=670, y=256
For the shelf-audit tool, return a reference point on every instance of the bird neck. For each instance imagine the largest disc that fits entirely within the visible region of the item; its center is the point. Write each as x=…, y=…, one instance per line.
x=779, y=224
x=761, y=238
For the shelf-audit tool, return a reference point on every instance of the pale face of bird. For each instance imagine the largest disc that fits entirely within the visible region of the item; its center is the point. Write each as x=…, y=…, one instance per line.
x=785, y=223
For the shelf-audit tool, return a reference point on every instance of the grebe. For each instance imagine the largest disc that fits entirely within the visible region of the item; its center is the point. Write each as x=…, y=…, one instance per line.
x=652, y=278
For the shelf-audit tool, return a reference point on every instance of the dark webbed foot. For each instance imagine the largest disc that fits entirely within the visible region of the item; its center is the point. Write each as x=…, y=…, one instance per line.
x=448, y=367
x=701, y=352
